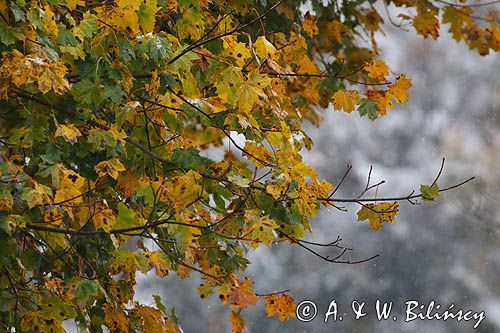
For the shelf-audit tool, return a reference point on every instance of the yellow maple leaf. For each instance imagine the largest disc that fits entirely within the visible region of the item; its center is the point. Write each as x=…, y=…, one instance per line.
x=237, y=322
x=68, y=132
x=117, y=134
x=45, y=321
x=71, y=184
x=150, y=319
x=262, y=230
x=281, y=305
x=309, y=24
x=4, y=9
x=257, y=153
x=69, y=178
x=227, y=83
x=191, y=24
x=346, y=100
x=110, y=167
x=129, y=20
x=53, y=78
x=48, y=18
x=72, y=4
x=377, y=214
x=264, y=48
x=129, y=4
x=104, y=219
x=399, y=90
x=307, y=201
x=307, y=65
x=128, y=183
x=251, y=91
x=115, y=319
x=336, y=30
x=204, y=290
x=160, y=261
x=427, y=24
x=377, y=69
x=274, y=189
x=185, y=189
x=236, y=50
x=300, y=171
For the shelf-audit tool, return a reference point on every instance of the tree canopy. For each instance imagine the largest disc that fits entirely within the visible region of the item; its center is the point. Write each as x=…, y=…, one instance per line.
x=108, y=109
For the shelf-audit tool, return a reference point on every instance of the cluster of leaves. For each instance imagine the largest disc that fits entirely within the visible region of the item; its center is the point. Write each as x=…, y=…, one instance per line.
x=106, y=108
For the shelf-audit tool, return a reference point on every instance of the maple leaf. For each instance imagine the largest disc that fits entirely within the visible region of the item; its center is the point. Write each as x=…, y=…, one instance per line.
x=399, y=90
x=237, y=321
x=6, y=200
x=274, y=189
x=110, y=167
x=457, y=17
x=427, y=24
x=68, y=193
x=52, y=77
x=251, y=92
x=86, y=289
x=127, y=218
x=346, y=100
x=282, y=305
x=68, y=132
x=257, y=153
x=300, y=171
x=377, y=69
x=127, y=262
x=227, y=83
x=72, y=4
x=45, y=322
x=377, y=214
x=104, y=219
x=38, y=195
x=236, y=50
x=309, y=24
x=185, y=189
x=149, y=319
x=371, y=19
x=146, y=14
x=241, y=294
x=429, y=192
x=115, y=319
x=204, y=290
x=368, y=107
x=382, y=100
x=262, y=230
x=117, y=134
x=4, y=9
x=336, y=30
x=265, y=49
x=307, y=65
x=161, y=262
